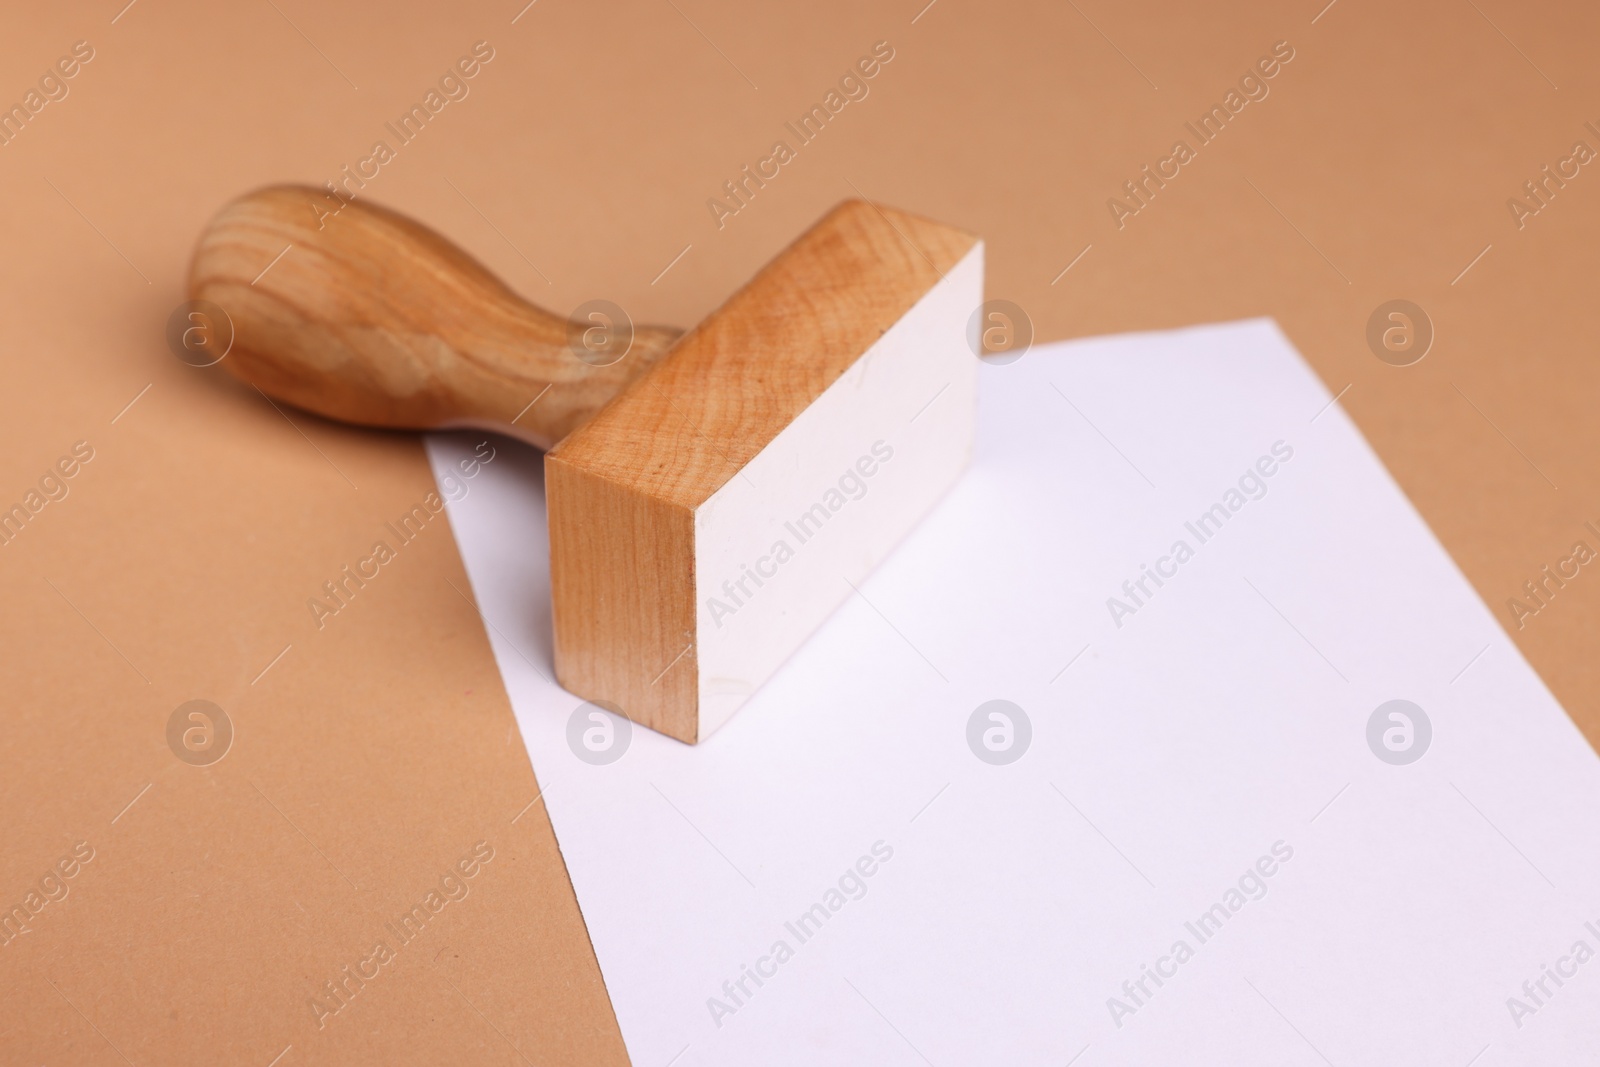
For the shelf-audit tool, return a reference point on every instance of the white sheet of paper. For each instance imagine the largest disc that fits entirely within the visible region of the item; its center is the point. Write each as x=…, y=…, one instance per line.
x=1225, y=717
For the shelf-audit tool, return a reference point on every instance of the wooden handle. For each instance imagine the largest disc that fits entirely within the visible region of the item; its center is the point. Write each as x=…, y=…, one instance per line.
x=368, y=317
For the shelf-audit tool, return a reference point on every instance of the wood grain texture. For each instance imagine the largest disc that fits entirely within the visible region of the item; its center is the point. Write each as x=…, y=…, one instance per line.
x=623, y=489
x=622, y=588
x=369, y=317
x=743, y=374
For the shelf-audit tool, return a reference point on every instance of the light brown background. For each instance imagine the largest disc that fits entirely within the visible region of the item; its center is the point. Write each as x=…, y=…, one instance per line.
x=376, y=751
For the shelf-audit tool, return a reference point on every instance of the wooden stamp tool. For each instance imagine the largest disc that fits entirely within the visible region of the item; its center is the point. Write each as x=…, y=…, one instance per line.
x=712, y=497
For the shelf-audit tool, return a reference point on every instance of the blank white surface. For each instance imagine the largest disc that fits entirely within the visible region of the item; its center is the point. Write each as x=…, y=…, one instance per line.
x=913, y=394
x=1229, y=713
